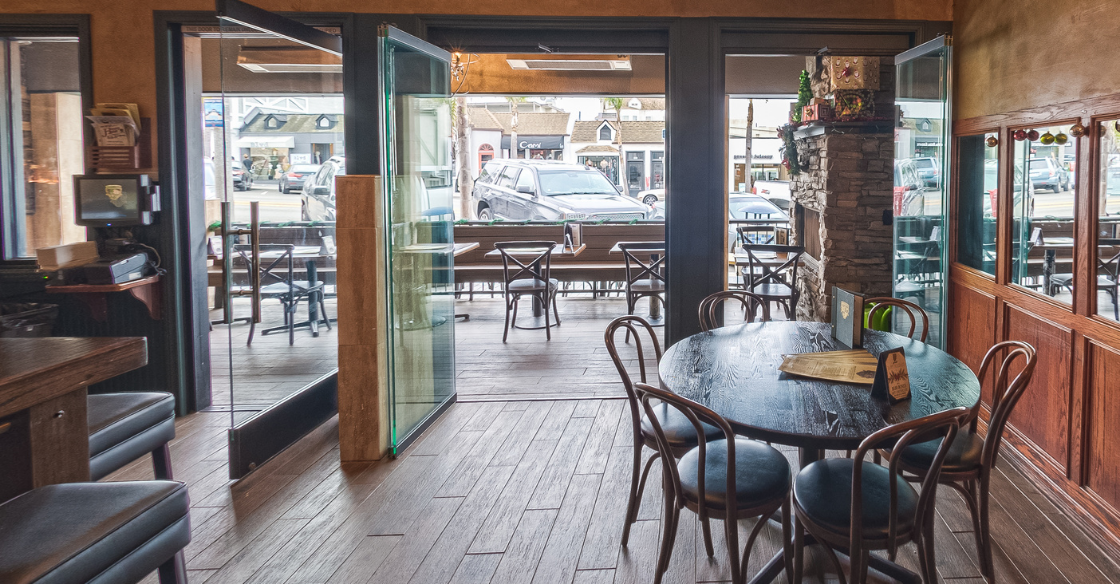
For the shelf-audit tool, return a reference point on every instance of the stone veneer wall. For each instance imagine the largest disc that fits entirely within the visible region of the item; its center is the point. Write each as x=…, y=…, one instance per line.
x=848, y=179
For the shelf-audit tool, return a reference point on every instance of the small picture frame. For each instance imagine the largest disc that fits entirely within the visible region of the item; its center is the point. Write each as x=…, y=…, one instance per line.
x=892, y=381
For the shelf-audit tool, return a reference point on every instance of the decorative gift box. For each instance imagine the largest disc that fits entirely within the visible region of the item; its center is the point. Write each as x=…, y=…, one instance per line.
x=816, y=112
x=854, y=104
x=854, y=72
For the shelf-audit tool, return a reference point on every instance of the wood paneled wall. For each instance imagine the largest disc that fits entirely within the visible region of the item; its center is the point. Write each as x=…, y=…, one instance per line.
x=1067, y=424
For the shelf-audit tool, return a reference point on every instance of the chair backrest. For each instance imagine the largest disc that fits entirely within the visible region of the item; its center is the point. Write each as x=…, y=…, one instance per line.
x=767, y=274
x=750, y=303
x=696, y=414
x=525, y=259
x=638, y=268
x=755, y=233
x=265, y=270
x=638, y=328
x=898, y=437
x=912, y=310
x=1005, y=394
x=1109, y=265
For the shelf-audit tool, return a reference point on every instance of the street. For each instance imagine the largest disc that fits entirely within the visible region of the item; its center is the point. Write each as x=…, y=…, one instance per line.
x=276, y=207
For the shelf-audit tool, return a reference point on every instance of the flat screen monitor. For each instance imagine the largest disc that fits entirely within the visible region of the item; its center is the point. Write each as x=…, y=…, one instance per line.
x=111, y=200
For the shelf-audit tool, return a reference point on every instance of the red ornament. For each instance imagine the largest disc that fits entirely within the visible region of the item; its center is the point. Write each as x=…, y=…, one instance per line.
x=1032, y=135
x=1019, y=135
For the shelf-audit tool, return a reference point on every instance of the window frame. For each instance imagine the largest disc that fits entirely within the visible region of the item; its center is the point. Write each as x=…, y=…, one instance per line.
x=37, y=25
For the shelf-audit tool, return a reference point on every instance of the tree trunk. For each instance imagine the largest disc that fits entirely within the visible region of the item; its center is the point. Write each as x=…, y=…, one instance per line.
x=463, y=155
x=748, y=178
x=622, y=174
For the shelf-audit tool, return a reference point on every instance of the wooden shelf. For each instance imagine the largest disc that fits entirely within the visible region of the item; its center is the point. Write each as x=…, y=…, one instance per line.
x=93, y=295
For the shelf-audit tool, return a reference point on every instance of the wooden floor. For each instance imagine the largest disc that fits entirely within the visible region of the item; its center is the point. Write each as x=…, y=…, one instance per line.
x=522, y=491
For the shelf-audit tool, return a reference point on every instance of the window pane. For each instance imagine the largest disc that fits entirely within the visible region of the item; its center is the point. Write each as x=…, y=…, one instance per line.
x=1043, y=203
x=41, y=128
x=978, y=180
x=1108, y=230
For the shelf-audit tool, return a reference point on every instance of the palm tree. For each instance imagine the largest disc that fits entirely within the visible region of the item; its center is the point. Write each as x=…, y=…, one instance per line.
x=461, y=118
x=616, y=104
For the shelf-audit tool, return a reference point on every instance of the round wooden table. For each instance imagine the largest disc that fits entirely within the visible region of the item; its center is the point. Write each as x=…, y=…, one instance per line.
x=734, y=371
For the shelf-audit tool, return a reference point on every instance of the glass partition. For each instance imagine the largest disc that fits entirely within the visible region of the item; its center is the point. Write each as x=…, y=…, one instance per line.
x=417, y=170
x=978, y=201
x=1044, y=199
x=921, y=165
x=1108, y=222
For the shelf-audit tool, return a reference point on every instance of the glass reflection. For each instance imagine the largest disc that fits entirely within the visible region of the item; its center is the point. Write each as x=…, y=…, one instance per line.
x=978, y=201
x=1108, y=231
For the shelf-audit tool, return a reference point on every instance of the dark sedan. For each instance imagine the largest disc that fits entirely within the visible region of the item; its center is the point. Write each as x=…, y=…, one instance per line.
x=296, y=175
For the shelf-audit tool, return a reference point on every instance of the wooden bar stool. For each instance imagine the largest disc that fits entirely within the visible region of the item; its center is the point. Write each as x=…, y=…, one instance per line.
x=126, y=426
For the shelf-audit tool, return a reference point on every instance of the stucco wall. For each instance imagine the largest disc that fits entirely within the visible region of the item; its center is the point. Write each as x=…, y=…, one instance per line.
x=1018, y=54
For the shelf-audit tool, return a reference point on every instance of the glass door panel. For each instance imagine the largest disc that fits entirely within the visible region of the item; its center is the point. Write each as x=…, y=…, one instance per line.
x=921, y=165
x=419, y=215
x=274, y=140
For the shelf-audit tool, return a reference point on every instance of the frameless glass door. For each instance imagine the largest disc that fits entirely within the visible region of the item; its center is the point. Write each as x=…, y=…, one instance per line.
x=920, y=169
x=419, y=215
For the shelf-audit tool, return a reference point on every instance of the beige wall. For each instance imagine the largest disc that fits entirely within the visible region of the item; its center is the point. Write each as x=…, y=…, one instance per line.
x=123, y=41
x=1018, y=54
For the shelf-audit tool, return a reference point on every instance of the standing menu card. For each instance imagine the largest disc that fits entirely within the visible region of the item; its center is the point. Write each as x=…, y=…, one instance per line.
x=847, y=317
x=892, y=380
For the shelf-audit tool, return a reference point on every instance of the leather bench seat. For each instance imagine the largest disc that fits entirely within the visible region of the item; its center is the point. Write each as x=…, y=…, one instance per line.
x=93, y=532
x=126, y=426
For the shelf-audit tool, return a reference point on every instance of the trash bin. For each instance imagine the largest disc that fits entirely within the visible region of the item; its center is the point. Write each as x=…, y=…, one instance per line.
x=27, y=319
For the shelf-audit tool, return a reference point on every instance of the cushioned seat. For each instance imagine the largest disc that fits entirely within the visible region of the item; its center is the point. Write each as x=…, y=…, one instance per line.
x=761, y=473
x=823, y=491
x=126, y=426
x=964, y=453
x=648, y=286
x=282, y=287
x=771, y=290
x=104, y=533
x=526, y=284
x=678, y=429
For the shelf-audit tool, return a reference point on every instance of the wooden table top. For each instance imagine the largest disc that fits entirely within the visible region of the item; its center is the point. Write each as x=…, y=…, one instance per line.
x=38, y=369
x=657, y=247
x=734, y=371
x=91, y=288
x=557, y=250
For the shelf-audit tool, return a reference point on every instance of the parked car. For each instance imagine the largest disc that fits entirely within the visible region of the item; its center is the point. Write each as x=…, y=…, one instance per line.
x=775, y=191
x=651, y=196
x=739, y=206
x=909, y=189
x=991, y=177
x=1048, y=174
x=317, y=199
x=242, y=178
x=549, y=190
x=293, y=179
x=929, y=170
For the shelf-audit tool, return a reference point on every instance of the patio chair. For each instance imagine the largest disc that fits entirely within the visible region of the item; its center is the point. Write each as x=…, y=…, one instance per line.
x=283, y=287
x=530, y=278
x=776, y=280
x=643, y=278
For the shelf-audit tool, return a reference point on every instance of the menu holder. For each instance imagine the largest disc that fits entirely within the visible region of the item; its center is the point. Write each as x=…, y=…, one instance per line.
x=781, y=236
x=847, y=317
x=573, y=236
x=892, y=381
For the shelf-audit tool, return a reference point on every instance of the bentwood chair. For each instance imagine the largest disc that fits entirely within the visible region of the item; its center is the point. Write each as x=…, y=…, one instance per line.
x=526, y=271
x=679, y=433
x=857, y=506
x=913, y=311
x=774, y=280
x=750, y=304
x=729, y=478
x=970, y=459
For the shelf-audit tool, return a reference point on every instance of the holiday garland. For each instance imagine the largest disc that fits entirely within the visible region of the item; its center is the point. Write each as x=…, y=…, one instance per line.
x=790, y=158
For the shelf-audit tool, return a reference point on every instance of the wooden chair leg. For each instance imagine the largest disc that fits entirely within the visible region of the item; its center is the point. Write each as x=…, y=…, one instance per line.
x=505, y=333
x=706, y=526
x=173, y=571
x=798, y=552
x=731, y=534
x=787, y=538
x=987, y=567
x=161, y=463
x=555, y=311
x=547, y=323
x=635, y=498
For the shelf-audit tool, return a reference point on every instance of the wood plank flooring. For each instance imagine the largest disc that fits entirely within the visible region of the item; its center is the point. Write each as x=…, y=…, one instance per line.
x=519, y=491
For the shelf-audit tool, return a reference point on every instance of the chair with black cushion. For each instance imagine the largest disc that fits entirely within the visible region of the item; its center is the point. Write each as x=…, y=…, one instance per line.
x=126, y=426
x=526, y=271
x=281, y=286
x=971, y=458
x=750, y=304
x=774, y=279
x=95, y=533
x=728, y=478
x=912, y=311
x=679, y=432
x=856, y=506
x=644, y=278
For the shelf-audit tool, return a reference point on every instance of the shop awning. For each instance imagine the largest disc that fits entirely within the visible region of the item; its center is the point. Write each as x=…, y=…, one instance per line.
x=536, y=142
x=265, y=142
